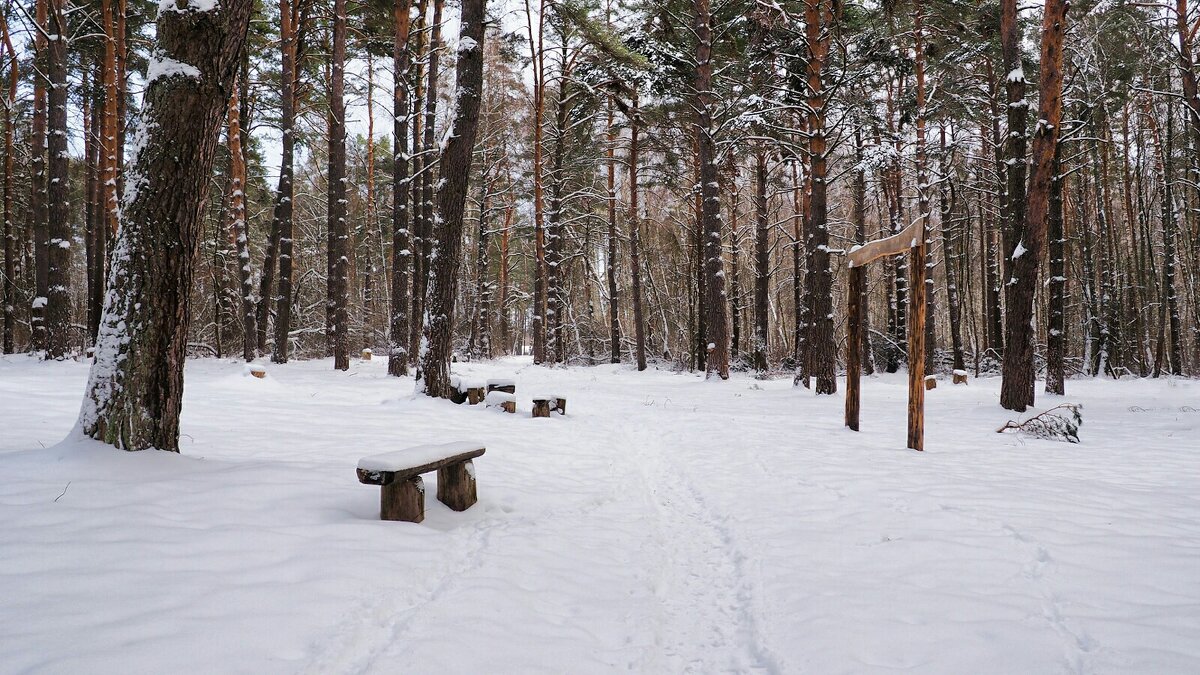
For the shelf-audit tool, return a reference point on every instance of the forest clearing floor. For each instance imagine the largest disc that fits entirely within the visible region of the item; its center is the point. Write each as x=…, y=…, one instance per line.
x=664, y=525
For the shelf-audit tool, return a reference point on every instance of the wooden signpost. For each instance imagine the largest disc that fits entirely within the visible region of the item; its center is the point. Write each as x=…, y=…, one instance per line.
x=911, y=239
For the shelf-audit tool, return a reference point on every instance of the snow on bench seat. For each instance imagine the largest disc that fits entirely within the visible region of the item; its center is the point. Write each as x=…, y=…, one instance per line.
x=400, y=464
x=501, y=382
x=499, y=397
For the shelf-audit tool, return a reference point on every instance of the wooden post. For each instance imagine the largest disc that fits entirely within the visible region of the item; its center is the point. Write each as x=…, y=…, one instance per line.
x=916, y=346
x=403, y=500
x=853, y=346
x=541, y=407
x=456, y=485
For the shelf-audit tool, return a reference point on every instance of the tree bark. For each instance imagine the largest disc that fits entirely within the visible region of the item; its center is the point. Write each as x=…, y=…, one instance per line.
x=339, y=237
x=762, y=262
x=58, y=227
x=135, y=387
x=398, y=327
x=1016, y=389
x=8, y=301
x=715, y=306
x=238, y=227
x=822, y=349
x=455, y=170
x=635, y=237
x=37, y=175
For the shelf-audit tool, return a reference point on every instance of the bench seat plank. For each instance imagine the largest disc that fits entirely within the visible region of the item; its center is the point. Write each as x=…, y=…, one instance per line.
x=387, y=467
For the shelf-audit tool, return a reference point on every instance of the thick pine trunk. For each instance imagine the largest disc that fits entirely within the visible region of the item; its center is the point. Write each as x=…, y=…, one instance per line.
x=715, y=306
x=1016, y=390
x=455, y=170
x=58, y=227
x=822, y=349
x=427, y=234
x=135, y=387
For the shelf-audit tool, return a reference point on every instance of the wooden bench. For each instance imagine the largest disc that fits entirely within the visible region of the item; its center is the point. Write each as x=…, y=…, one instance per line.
x=403, y=491
x=502, y=384
x=465, y=390
x=542, y=405
x=503, y=400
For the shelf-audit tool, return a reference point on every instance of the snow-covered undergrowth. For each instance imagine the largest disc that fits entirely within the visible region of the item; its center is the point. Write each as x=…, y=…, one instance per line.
x=664, y=525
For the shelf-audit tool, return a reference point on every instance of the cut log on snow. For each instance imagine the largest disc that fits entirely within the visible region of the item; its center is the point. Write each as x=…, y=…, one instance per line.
x=456, y=485
x=930, y=382
x=897, y=243
x=960, y=377
x=541, y=407
x=366, y=354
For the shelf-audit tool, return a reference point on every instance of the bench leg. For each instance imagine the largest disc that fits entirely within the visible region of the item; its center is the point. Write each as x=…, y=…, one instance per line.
x=456, y=485
x=403, y=500
x=541, y=408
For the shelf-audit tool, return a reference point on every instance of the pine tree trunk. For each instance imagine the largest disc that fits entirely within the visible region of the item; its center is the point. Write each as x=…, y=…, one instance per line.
x=762, y=262
x=416, y=172
x=136, y=384
x=554, y=230
x=952, y=239
x=1016, y=390
x=398, y=326
x=339, y=238
x=635, y=237
x=823, y=349
x=1056, y=285
x=8, y=301
x=37, y=176
x=426, y=232
x=614, y=324
x=58, y=227
x=238, y=228
x=455, y=170
x=715, y=306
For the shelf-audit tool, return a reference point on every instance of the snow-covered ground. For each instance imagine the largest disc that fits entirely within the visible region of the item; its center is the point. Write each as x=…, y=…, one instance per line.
x=665, y=525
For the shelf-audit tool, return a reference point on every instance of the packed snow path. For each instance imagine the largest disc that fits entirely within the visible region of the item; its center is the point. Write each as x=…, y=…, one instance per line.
x=665, y=525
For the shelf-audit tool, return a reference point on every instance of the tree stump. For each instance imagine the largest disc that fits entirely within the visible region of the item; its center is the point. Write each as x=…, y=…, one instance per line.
x=258, y=371
x=930, y=382
x=509, y=406
x=475, y=395
x=405, y=500
x=456, y=485
x=960, y=377
x=541, y=407
x=366, y=354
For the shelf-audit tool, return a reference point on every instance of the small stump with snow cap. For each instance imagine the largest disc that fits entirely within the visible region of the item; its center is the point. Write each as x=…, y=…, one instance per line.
x=930, y=382
x=258, y=371
x=366, y=354
x=475, y=390
x=402, y=495
x=960, y=377
x=542, y=405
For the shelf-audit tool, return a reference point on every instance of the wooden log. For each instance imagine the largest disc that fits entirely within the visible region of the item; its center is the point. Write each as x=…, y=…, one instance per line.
x=509, y=406
x=930, y=382
x=560, y=404
x=456, y=485
x=366, y=354
x=506, y=388
x=475, y=395
x=854, y=346
x=916, y=346
x=403, y=500
x=960, y=377
x=541, y=407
